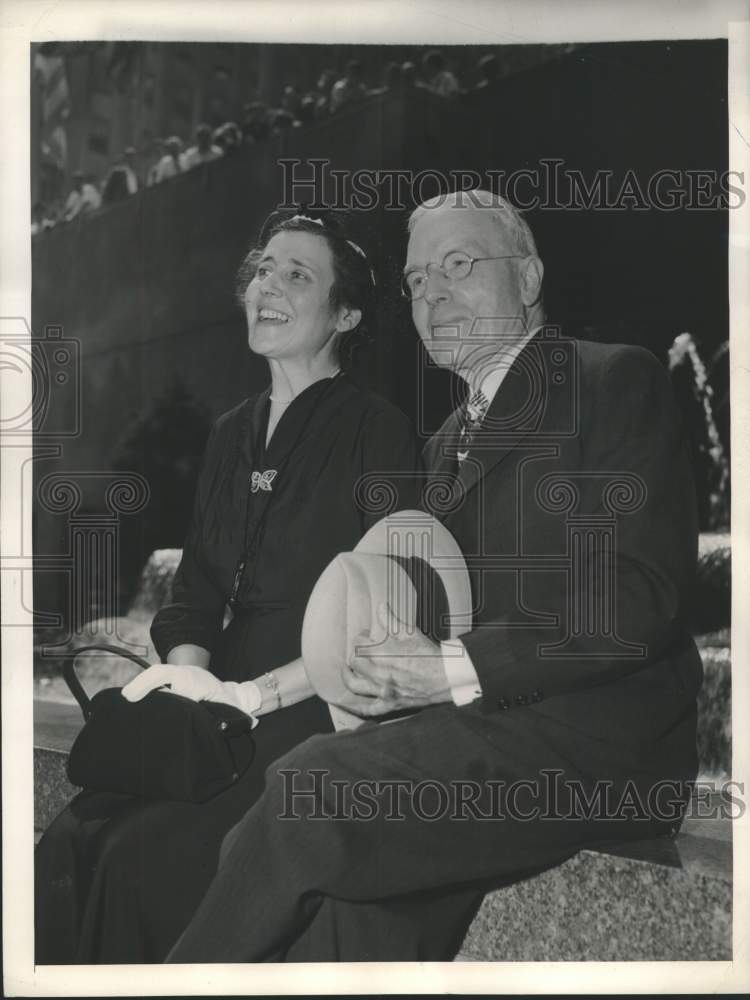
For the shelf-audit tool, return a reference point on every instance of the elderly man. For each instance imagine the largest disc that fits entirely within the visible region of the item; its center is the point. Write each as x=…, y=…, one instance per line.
x=566, y=714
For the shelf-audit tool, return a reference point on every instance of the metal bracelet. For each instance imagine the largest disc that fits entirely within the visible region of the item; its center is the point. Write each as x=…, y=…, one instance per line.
x=271, y=682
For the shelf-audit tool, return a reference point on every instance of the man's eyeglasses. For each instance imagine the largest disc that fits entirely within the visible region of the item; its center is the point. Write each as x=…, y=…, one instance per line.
x=456, y=266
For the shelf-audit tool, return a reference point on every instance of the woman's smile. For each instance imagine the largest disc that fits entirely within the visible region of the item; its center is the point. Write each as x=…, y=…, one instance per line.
x=266, y=315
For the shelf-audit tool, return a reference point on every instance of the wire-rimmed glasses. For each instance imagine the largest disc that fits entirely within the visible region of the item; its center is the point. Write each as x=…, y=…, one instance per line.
x=456, y=266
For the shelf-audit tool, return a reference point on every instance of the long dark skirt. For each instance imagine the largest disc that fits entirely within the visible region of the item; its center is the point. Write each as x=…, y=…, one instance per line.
x=118, y=878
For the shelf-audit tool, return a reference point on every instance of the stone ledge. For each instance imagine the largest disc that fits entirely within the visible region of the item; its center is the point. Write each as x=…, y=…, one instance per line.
x=55, y=727
x=715, y=711
x=52, y=790
x=604, y=907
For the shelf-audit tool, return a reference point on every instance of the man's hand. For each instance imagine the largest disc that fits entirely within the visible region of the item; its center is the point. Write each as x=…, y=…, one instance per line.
x=403, y=671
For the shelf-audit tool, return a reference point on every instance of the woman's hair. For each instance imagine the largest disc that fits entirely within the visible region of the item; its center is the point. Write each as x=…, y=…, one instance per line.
x=353, y=278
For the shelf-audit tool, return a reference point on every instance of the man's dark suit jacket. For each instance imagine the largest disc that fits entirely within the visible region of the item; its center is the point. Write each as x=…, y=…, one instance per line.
x=576, y=514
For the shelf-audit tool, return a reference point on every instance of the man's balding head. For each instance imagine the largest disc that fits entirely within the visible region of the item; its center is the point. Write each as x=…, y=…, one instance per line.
x=506, y=216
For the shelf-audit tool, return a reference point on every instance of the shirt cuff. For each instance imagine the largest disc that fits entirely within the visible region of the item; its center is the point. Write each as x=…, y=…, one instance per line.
x=462, y=677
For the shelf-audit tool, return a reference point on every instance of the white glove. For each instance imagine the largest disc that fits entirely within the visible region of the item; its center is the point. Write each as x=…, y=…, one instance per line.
x=197, y=684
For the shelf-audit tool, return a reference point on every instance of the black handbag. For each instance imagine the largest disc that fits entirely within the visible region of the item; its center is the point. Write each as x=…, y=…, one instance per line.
x=162, y=747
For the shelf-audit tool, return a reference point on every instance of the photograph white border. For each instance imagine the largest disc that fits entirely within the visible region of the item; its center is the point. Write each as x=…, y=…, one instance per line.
x=377, y=21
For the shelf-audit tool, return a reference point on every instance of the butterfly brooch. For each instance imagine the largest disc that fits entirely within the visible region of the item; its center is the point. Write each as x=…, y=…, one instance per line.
x=262, y=480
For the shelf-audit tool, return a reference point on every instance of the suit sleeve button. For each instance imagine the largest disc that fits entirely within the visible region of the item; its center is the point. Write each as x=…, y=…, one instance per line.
x=537, y=696
x=503, y=703
x=521, y=699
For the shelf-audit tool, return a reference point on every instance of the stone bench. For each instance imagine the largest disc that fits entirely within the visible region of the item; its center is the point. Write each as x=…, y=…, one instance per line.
x=650, y=900
x=55, y=727
x=666, y=900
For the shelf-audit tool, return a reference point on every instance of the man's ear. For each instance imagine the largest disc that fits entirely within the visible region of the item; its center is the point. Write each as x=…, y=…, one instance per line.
x=532, y=273
x=348, y=319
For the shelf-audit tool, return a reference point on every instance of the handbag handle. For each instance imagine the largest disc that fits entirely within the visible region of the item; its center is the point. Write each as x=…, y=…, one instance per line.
x=71, y=678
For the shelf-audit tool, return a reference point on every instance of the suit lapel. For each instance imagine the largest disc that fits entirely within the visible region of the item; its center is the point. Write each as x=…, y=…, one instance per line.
x=538, y=398
x=440, y=453
x=528, y=403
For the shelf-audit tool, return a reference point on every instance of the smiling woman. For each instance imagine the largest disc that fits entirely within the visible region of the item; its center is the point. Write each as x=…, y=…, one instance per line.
x=305, y=291
x=118, y=878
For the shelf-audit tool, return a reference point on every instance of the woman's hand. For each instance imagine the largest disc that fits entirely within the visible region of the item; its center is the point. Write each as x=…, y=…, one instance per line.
x=189, y=681
x=195, y=683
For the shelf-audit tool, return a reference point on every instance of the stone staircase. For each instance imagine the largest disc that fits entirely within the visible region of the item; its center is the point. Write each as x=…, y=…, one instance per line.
x=656, y=900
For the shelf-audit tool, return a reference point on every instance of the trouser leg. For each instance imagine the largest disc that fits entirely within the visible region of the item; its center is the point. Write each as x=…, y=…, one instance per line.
x=300, y=846
x=423, y=927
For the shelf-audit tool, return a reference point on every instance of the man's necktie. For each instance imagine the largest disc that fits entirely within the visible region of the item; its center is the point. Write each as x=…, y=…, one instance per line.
x=473, y=415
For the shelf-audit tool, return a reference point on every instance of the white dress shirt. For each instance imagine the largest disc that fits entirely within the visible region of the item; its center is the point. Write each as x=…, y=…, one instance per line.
x=462, y=677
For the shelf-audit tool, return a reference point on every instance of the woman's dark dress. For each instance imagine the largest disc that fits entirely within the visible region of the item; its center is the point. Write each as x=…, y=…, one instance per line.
x=118, y=878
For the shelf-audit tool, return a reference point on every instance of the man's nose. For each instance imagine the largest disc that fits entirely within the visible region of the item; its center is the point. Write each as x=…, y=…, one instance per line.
x=436, y=286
